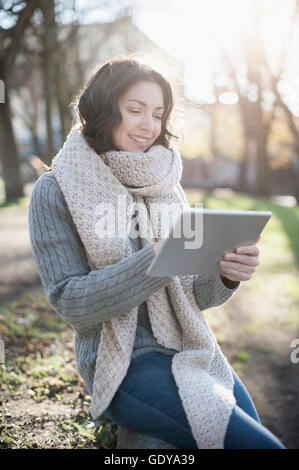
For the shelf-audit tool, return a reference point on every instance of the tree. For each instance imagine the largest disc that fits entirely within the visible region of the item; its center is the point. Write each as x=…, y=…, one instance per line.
x=282, y=104
x=260, y=78
x=256, y=121
x=49, y=39
x=27, y=88
x=11, y=42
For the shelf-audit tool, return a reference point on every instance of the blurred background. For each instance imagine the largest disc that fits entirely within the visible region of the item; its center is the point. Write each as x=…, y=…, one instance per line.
x=234, y=68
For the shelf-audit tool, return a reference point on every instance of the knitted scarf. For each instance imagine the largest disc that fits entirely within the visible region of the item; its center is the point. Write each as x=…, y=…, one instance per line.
x=201, y=371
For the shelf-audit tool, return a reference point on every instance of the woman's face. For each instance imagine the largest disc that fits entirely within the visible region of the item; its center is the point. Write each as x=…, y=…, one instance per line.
x=141, y=108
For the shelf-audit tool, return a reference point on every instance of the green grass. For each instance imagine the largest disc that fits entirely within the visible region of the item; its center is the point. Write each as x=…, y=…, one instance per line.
x=49, y=376
x=40, y=368
x=30, y=317
x=77, y=432
x=21, y=201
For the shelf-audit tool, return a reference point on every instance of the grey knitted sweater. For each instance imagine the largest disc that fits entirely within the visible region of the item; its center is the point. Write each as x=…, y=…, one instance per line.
x=85, y=298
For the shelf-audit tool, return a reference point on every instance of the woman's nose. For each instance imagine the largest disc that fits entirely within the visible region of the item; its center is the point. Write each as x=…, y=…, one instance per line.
x=148, y=123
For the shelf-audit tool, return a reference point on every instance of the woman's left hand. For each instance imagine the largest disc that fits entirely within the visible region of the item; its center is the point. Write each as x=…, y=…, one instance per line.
x=240, y=265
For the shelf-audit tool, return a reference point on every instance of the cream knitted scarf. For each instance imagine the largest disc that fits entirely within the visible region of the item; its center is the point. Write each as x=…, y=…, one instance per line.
x=201, y=371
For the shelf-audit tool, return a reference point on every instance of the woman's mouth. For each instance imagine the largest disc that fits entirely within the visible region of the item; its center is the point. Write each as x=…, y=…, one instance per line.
x=139, y=141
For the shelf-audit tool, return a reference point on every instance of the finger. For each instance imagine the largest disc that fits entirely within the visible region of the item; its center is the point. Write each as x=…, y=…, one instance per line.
x=225, y=266
x=243, y=259
x=248, y=250
x=236, y=275
x=227, y=276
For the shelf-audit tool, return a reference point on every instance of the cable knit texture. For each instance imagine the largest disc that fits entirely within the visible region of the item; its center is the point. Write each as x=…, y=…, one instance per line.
x=201, y=372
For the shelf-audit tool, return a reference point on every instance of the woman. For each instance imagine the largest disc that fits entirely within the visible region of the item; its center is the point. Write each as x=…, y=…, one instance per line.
x=145, y=351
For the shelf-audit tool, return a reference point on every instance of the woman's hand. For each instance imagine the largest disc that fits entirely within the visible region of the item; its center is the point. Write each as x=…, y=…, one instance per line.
x=240, y=265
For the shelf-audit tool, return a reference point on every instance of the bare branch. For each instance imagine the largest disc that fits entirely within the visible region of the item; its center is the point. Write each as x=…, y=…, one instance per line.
x=18, y=33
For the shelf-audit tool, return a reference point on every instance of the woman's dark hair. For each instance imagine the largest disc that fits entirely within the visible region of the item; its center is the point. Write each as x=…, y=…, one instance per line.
x=97, y=104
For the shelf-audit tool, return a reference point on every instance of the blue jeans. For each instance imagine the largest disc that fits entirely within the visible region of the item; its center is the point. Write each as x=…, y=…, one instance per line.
x=147, y=401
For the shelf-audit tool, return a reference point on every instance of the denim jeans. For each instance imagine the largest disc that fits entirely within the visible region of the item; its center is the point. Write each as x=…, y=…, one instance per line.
x=147, y=401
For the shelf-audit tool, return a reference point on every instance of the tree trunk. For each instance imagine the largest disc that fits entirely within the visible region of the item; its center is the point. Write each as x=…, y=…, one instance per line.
x=36, y=144
x=296, y=189
x=295, y=167
x=242, y=184
x=263, y=187
x=11, y=43
x=48, y=72
x=213, y=131
x=63, y=100
x=65, y=94
x=60, y=101
x=9, y=154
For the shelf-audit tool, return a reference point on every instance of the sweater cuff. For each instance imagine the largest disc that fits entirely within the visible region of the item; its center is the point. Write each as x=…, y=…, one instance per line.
x=228, y=283
x=211, y=291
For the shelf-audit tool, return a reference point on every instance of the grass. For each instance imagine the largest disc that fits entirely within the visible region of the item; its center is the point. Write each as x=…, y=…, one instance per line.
x=21, y=201
x=30, y=317
x=40, y=370
x=68, y=433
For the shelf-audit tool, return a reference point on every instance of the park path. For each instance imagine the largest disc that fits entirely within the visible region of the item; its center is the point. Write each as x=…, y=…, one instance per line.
x=17, y=268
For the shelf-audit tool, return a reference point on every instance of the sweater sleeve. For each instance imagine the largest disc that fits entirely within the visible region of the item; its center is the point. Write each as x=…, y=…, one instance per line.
x=211, y=291
x=78, y=295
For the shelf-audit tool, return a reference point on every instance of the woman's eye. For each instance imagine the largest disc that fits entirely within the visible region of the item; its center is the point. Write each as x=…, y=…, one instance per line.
x=137, y=111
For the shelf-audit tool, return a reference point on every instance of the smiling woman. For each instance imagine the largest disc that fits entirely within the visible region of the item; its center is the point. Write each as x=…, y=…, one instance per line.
x=147, y=356
x=141, y=108
x=125, y=106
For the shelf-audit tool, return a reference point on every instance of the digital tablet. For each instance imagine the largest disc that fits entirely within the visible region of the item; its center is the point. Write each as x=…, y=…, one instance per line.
x=199, y=238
